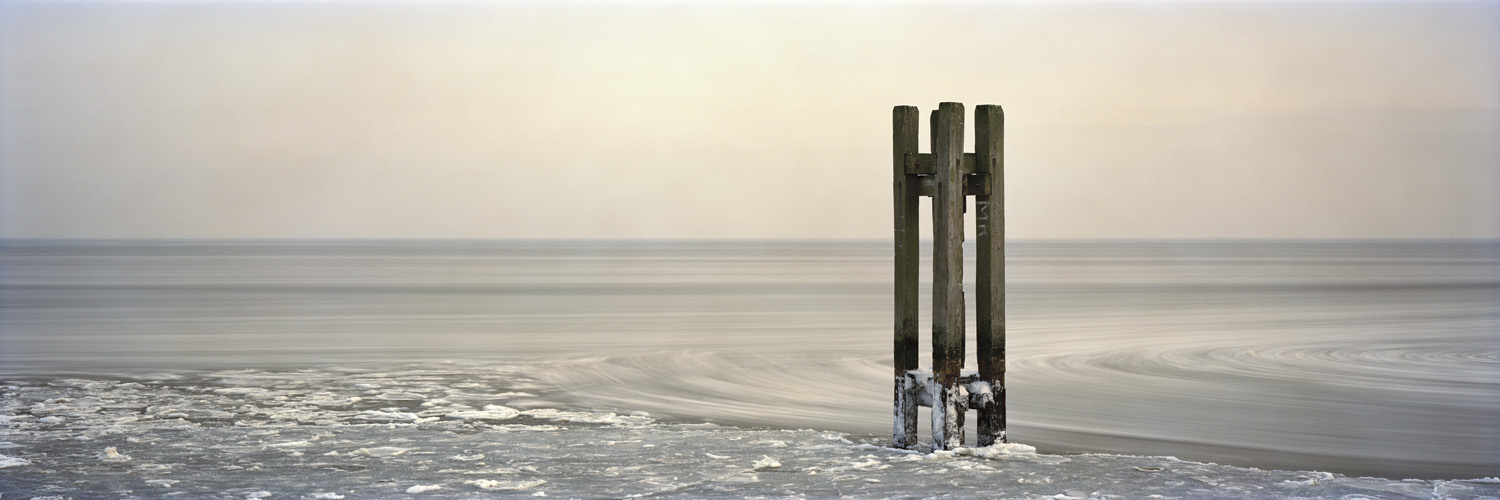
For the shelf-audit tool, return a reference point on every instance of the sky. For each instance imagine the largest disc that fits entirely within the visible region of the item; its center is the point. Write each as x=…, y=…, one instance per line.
x=751, y=119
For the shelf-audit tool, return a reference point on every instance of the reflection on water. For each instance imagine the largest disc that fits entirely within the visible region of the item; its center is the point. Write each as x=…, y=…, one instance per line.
x=1365, y=358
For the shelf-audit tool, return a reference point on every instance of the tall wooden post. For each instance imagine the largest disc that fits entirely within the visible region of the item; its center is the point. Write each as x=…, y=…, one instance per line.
x=948, y=175
x=989, y=311
x=947, y=276
x=904, y=142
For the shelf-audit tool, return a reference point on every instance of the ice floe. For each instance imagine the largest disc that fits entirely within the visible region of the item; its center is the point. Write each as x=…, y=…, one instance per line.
x=110, y=454
x=490, y=412
x=767, y=463
x=6, y=462
x=490, y=484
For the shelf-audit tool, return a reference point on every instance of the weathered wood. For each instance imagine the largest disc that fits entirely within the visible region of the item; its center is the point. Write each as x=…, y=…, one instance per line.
x=904, y=142
x=947, y=280
x=974, y=185
x=922, y=164
x=949, y=175
x=932, y=124
x=989, y=150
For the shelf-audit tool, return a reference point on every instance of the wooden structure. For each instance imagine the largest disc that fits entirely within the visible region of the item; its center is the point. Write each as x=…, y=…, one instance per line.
x=949, y=176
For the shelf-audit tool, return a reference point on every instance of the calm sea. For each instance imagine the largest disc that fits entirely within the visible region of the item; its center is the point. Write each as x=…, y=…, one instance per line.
x=1357, y=358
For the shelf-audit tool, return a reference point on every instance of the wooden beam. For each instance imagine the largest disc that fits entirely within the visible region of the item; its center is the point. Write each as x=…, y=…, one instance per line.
x=922, y=164
x=974, y=185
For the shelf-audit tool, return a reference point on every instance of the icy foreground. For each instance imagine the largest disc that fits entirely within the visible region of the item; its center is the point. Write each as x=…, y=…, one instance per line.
x=462, y=432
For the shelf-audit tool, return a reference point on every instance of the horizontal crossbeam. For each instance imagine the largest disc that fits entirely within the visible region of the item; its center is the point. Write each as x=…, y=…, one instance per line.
x=922, y=164
x=974, y=185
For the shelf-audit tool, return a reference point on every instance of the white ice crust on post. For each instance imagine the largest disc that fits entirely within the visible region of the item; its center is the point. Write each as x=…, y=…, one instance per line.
x=979, y=394
x=912, y=395
x=919, y=388
x=898, y=415
x=948, y=405
x=954, y=402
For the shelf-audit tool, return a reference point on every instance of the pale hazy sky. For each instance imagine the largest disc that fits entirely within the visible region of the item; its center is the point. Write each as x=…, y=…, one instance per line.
x=744, y=120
